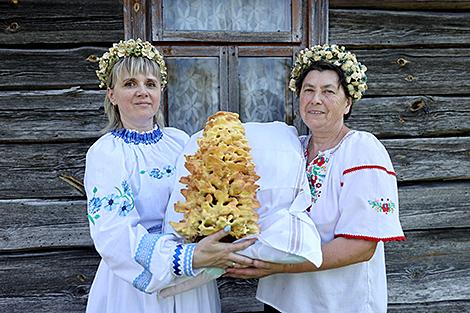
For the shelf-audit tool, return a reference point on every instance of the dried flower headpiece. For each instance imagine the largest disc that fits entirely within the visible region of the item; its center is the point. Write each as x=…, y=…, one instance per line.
x=355, y=72
x=129, y=48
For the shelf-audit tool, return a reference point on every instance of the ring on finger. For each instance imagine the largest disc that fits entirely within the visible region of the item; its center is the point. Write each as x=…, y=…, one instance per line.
x=232, y=264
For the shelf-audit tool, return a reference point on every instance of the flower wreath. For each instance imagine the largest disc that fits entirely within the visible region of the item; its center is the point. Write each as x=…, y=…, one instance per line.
x=355, y=72
x=129, y=48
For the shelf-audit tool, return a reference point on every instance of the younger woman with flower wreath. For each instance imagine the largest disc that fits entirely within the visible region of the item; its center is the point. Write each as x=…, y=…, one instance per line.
x=128, y=178
x=354, y=197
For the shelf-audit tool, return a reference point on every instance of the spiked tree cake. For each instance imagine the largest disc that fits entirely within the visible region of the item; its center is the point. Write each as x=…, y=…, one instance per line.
x=221, y=187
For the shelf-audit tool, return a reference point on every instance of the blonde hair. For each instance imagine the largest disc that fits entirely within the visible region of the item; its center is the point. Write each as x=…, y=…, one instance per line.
x=132, y=66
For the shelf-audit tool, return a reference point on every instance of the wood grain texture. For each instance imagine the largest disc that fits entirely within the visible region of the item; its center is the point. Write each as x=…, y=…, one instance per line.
x=403, y=4
x=46, y=69
x=375, y=28
x=430, y=266
x=412, y=116
x=32, y=170
x=51, y=115
x=427, y=71
x=61, y=21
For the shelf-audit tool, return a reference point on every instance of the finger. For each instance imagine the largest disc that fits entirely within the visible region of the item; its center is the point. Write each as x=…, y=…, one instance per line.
x=220, y=234
x=241, y=259
x=242, y=245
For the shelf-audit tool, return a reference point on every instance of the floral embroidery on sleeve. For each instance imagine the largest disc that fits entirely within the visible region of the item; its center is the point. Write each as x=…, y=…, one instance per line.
x=123, y=201
x=157, y=173
x=382, y=206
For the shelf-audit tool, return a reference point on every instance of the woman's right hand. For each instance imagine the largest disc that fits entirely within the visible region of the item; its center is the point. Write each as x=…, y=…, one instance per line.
x=210, y=252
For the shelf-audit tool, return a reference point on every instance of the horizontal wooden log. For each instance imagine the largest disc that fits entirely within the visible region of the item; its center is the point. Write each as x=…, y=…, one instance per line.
x=50, y=115
x=35, y=223
x=59, y=21
x=403, y=4
x=429, y=270
x=437, y=205
x=71, y=114
x=430, y=266
x=33, y=170
x=429, y=158
x=401, y=72
x=389, y=117
x=428, y=71
x=431, y=307
x=40, y=69
x=32, y=224
x=397, y=28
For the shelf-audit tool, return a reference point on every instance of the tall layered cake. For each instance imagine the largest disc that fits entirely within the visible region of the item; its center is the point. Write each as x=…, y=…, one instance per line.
x=221, y=187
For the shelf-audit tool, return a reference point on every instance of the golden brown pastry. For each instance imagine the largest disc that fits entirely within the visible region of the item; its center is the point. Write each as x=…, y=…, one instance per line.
x=221, y=187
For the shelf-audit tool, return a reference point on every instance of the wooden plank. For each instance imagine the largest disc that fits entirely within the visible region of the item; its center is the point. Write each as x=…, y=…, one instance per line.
x=403, y=4
x=412, y=116
x=61, y=21
x=430, y=269
x=431, y=307
x=428, y=158
x=32, y=170
x=37, y=223
x=374, y=28
x=39, y=69
x=436, y=205
x=52, y=115
x=430, y=266
x=318, y=22
x=428, y=71
x=135, y=22
x=401, y=72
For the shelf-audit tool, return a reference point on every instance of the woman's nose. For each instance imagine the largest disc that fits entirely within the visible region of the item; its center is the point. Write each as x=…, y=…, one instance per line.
x=142, y=91
x=316, y=98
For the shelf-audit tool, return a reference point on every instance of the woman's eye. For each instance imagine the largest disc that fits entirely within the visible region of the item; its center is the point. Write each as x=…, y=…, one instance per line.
x=129, y=83
x=152, y=84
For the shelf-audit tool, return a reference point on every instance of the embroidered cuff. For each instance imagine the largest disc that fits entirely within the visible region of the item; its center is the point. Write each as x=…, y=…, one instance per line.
x=183, y=260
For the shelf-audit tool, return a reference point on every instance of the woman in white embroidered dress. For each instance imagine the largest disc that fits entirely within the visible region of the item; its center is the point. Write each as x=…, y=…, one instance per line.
x=128, y=179
x=354, y=197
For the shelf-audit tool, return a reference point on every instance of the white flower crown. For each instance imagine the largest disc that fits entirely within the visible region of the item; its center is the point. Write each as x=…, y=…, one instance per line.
x=355, y=72
x=129, y=48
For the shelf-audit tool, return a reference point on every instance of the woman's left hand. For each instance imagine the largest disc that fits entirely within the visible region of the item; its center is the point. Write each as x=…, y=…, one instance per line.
x=259, y=269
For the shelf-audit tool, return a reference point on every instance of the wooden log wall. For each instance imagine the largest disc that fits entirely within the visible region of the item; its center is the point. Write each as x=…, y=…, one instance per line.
x=418, y=104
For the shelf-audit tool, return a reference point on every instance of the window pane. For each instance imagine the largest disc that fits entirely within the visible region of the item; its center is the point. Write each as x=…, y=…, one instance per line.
x=227, y=15
x=193, y=86
x=263, y=88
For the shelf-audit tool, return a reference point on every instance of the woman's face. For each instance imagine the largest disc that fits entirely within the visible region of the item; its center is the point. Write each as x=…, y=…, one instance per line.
x=323, y=101
x=138, y=100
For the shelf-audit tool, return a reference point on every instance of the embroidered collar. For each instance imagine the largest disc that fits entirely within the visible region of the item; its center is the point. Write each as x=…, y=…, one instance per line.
x=132, y=136
x=327, y=151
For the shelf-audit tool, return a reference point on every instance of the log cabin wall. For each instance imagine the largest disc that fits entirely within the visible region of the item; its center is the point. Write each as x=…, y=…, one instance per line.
x=418, y=104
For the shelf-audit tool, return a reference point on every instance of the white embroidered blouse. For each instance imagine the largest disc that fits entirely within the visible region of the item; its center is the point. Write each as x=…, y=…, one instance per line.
x=128, y=180
x=354, y=195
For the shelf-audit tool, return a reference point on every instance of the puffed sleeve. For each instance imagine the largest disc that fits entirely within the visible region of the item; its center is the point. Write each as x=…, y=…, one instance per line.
x=368, y=194
x=148, y=261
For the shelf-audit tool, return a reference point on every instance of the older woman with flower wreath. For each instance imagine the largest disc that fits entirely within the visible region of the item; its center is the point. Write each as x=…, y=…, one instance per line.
x=128, y=179
x=354, y=197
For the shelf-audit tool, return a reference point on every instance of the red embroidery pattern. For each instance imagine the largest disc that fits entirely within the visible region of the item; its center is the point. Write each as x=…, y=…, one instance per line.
x=368, y=167
x=375, y=239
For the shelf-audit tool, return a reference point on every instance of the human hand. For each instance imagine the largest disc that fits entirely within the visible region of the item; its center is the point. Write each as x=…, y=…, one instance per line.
x=259, y=269
x=210, y=252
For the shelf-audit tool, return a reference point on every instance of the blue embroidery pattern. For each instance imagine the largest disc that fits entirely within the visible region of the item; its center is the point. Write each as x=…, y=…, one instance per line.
x=157, y=173
x=130, y=136
x=176, y=260
x=124, y=201
x=183, y=260
x=143, y=256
